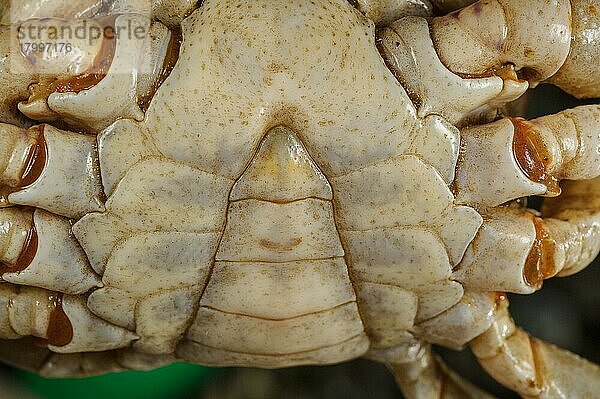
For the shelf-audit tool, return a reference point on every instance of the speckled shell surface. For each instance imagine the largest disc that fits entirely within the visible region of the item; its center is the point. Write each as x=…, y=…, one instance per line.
x=276, y=220
x=276, y=183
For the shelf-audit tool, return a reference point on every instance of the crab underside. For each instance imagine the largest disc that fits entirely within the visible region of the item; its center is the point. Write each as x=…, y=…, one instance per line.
x=281, y=183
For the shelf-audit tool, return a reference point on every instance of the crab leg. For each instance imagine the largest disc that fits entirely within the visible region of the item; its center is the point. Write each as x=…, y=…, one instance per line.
x=517, y=158
x=64, y=321
x=532, y=367
x=382, y=12
x=51, y=169
x=579, y=206
x=67, y=80
x=27, y=353
x=489, y=53
x=483, y=37
x=516, y=250
x=14, y=85
x=169, y=12
x=411, y=53
x=447, y=6
x=476, y=54
x=426, y=376
x=488, y=35
x=39, y=250
x=580, y=74
x=28, y=9
x=462, y=322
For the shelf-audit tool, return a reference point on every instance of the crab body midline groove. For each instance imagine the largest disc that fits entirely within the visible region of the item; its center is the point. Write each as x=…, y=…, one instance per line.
x=297, y=188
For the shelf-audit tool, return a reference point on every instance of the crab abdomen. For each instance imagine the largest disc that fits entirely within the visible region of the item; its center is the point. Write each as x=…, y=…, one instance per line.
x=280, y=293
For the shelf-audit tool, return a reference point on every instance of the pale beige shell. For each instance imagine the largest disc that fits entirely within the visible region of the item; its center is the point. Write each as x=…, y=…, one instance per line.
x=302, y=188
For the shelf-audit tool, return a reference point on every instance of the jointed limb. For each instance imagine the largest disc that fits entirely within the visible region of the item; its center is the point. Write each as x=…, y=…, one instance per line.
x=428, y=377
x=513, y=158
x=169, y=12
x=516, y=250
x=492, y=50
x=50, y=168
x=532, y=367
x=121, y=72
x=489, y=53
x=382, y=12
x=488, y=35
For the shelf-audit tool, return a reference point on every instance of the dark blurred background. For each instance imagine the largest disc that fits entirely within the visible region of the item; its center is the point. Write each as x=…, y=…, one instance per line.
x=565, y=312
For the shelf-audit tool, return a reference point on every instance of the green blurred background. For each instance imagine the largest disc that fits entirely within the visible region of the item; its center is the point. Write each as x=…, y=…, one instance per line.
x=565, y=312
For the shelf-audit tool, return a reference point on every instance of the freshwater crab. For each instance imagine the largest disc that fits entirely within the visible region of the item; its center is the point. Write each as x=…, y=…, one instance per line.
x=283, y=182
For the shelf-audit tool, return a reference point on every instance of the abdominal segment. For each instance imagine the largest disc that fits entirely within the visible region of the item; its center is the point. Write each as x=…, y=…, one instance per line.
x=279, y=293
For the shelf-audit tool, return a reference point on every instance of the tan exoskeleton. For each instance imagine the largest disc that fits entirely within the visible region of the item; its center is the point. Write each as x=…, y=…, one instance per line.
x=273, y=183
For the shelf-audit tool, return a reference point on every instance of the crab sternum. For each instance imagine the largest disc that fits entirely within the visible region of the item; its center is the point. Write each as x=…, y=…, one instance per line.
x=288, y=64
x=385, y=243
x=280, y=292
